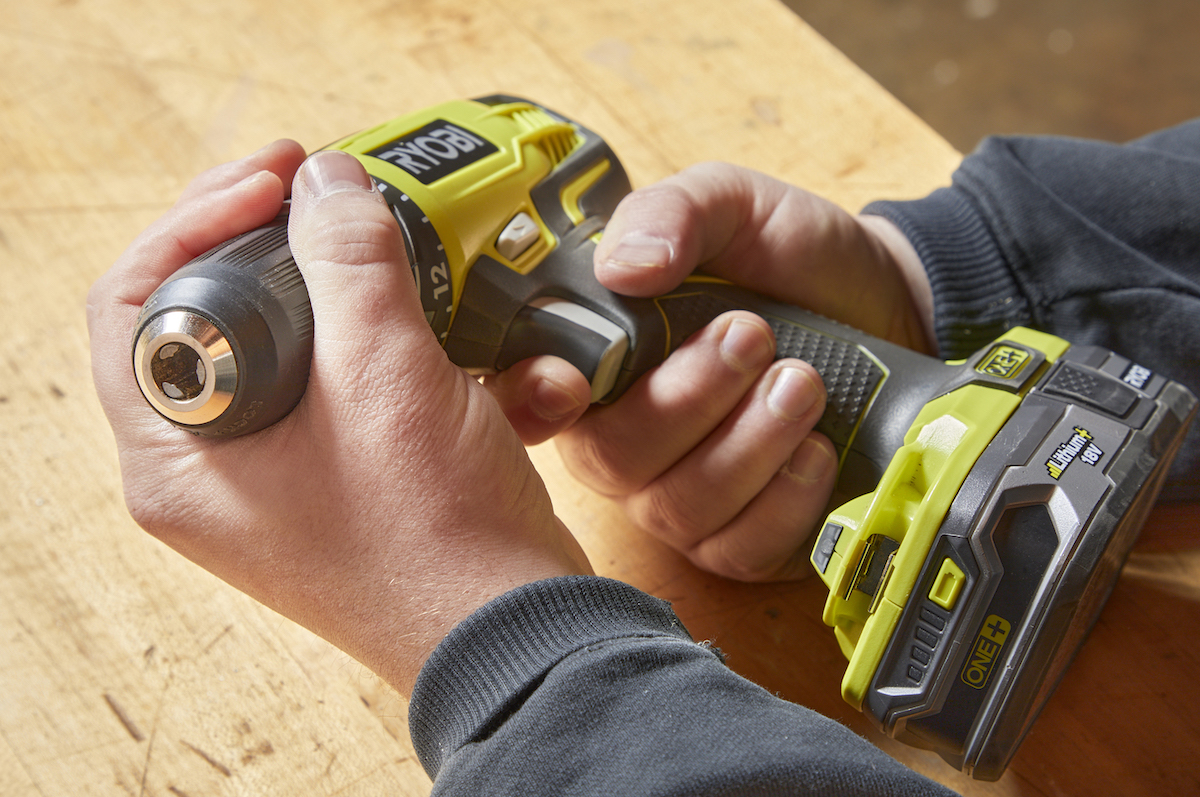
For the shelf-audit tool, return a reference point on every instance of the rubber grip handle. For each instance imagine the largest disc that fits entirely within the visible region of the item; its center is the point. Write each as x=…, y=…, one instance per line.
x=874, y=388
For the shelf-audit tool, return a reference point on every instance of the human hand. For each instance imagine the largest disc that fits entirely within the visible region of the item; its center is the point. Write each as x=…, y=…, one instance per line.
x=395, y=499
x=714, y=451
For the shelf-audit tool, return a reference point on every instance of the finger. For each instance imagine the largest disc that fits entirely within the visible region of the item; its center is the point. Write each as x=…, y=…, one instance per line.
x=114, y=300
x=541, y=396
x=707, y=489
x=618, y=449
x=771, y=538
x=226, y=201
x=251, y=191
x=280, y=157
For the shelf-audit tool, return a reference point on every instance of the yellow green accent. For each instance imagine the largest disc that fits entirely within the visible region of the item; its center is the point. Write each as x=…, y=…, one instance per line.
x=985, y=652
x=705, y=278
x=573, y=191
x=1049, y=345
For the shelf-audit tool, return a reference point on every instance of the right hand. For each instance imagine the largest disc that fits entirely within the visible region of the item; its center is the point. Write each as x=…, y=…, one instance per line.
x=394, y=500
x=714, y=451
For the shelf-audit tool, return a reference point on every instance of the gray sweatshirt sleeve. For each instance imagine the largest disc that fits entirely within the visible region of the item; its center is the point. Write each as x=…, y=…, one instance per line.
x=586, y=686
x=1094, y=242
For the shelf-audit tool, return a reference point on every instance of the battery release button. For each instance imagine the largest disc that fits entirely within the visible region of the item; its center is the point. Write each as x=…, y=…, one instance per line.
x=1092, y=387
x=947, y=585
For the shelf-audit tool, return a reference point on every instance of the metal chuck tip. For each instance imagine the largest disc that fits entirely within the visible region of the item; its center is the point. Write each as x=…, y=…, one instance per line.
x=185, y=367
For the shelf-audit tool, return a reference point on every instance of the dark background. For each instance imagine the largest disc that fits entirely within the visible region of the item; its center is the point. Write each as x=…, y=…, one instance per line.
x=1110, y=69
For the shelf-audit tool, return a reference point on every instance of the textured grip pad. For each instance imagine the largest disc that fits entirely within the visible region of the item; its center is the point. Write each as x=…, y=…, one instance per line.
x=851, y=376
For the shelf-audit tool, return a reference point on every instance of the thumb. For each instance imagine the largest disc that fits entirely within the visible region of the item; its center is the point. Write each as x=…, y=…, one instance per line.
x=371, y=332
x=661, y=233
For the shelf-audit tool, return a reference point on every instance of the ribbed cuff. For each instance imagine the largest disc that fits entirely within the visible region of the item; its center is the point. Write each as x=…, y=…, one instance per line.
x=488, y=663
x=975, y=297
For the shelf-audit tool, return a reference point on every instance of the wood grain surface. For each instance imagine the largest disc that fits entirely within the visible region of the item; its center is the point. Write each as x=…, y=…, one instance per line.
x=124, y=669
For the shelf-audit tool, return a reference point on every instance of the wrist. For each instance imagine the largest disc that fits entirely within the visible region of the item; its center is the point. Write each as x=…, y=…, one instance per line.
x=420, y=613
x=897, y=249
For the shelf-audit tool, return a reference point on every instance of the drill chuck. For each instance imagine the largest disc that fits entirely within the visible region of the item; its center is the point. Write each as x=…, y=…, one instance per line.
x=223, y=347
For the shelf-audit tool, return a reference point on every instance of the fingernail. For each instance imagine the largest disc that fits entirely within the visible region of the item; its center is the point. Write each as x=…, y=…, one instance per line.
x=810, y=462
x=551, y=401
x=331, y=172
x=792, y=395
x=249, y=180
x=641, y=251
x=746, y=345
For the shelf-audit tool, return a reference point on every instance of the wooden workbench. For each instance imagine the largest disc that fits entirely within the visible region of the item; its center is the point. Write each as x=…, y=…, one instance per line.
x=124, y=669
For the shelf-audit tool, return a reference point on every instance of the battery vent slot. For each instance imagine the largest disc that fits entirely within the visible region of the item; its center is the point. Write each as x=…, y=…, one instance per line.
x=556, y=139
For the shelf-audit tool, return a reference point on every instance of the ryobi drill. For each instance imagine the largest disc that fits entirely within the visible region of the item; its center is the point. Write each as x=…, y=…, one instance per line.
x=992, y=501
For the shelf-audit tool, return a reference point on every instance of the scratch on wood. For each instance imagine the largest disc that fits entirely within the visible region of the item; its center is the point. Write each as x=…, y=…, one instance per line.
x=216, y=639
x=177, y=791
x=162, y=699
x=850, y=168
x=217, y=765
x=266, y=748
x=130, y=726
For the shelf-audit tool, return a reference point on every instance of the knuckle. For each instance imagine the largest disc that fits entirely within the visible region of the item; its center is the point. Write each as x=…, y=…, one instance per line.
x=669, y=202
x=728, y=555
x=664, y=511
x=362, y=241
x=596, y=461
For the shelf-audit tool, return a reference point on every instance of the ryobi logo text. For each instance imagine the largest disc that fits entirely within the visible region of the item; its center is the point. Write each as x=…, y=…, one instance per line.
x=986, y=651
x=1080, y=446
x=434, y=151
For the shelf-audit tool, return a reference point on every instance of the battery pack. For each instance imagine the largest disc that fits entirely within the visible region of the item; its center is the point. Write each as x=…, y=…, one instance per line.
x=991, y=599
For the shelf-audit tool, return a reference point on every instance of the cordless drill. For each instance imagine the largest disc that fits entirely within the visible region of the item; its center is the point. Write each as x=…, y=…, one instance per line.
x=989, y=503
